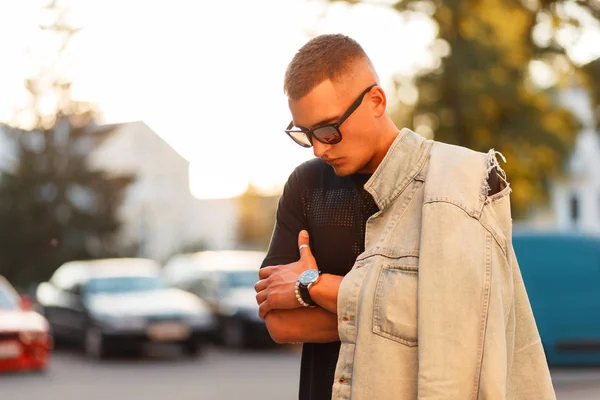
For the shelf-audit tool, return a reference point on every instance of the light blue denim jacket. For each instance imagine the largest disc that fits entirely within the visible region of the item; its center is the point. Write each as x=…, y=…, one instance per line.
x=435, y=308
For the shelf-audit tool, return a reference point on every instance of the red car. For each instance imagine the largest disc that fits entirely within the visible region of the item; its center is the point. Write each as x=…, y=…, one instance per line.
x=25, y=341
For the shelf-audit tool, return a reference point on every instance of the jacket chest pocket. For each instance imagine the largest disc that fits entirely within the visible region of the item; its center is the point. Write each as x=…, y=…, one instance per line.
x=395, y=302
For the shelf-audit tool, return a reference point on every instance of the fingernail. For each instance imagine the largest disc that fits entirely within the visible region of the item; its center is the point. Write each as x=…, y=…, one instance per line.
x=304, y=234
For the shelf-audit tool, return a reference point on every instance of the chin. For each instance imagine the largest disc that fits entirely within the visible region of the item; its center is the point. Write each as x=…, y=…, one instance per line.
x=343, y=170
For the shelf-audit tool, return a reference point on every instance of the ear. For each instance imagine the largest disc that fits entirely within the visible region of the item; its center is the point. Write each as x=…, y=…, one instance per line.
x=378, y=101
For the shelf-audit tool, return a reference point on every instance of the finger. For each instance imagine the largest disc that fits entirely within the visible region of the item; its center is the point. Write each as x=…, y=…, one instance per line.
x=261, y=297
x=303, y=244
x=263, y=309
x=260, y=285
x=265, y=272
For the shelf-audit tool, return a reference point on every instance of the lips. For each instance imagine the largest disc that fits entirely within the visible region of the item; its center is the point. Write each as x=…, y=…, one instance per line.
x=332, y=161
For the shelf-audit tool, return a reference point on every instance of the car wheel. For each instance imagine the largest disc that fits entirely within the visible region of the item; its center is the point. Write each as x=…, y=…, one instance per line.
x=95, y=343
x=192, y=349
x=233, y=334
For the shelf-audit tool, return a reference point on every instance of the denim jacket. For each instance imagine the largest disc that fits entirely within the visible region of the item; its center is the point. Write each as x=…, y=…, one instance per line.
x=435, y=307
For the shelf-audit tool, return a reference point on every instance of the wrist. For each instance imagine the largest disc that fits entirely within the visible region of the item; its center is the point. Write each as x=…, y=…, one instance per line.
x=305, y=281
x=299, y=296
x=325, y=291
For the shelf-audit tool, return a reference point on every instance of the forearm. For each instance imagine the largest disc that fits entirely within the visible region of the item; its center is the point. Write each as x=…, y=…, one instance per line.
x=302, y=325
x=325, y=291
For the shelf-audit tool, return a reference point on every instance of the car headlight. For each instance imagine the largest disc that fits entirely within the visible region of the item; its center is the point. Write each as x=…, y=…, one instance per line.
x=122, y=322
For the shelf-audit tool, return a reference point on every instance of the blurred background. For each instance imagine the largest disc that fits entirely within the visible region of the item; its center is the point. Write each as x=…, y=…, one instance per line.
x=154, y=129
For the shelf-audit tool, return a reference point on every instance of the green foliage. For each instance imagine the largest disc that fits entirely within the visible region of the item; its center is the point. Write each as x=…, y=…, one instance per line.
x=256, y=219
x=591, y=77
x=481, y=93
x=54, y=206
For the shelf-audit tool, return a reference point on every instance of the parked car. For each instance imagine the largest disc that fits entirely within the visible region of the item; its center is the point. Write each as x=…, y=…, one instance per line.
x=25, y=341
x=225, y=280
x=561, y=272
x=116, y=305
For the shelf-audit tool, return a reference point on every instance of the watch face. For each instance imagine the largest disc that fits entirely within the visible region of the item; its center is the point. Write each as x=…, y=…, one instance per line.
x=308, y=276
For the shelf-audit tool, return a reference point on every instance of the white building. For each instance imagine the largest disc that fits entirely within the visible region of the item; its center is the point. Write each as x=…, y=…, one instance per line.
x=575, y=199
x=159, y=210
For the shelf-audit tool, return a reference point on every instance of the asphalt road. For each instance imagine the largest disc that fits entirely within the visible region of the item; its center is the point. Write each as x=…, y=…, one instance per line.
x=218, y=374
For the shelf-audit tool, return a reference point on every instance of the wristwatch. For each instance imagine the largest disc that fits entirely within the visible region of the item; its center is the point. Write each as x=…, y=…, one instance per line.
x=305, y=281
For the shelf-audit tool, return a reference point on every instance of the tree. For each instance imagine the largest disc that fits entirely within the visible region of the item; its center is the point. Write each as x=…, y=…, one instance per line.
x=481, y=93
x=592, y=77
x=256, y=219
x=54, y=207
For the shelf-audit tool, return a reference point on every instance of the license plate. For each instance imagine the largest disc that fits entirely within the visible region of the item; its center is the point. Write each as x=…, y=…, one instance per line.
x=10, y=350
x=168, y=331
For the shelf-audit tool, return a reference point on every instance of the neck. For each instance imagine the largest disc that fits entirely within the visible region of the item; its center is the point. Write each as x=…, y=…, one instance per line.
x=389, y=132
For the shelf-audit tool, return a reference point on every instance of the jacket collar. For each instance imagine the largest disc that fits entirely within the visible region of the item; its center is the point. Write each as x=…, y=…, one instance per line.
x=402, y=163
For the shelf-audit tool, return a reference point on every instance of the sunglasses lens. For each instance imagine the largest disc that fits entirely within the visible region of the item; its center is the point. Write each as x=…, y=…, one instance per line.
x=301, y=138
x=327, y=134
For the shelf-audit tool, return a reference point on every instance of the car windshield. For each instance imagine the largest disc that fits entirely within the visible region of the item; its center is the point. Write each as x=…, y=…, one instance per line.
x=124, y=284
x=240, y=279
x=7, y=299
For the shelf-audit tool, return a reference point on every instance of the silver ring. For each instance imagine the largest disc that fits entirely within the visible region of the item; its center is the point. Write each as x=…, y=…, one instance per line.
x=302, y=246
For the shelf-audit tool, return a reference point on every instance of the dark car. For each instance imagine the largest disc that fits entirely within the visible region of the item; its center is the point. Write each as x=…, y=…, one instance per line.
x=225, y=280
x=116, y=305
x=561, y=272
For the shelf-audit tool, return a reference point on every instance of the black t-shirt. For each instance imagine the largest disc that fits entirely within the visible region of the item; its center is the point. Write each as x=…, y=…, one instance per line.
x=334, y=210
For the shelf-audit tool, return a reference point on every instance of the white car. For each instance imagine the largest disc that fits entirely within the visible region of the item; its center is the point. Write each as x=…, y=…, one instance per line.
x=225, y=280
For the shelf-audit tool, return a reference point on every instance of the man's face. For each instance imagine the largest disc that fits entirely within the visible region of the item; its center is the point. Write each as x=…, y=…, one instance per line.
x=325, y=104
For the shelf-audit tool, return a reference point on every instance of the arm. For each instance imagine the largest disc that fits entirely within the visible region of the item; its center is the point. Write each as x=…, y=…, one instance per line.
x=277, y=284
x=310, y=325
x=325, y=291
x=314, y=325
x=286, y=320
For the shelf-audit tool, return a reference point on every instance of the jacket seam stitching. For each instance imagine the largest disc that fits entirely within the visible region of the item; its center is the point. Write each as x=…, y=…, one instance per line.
x=415, y=172
x=527, y=346
x=410, y=195
x=343, y=346
x=409, y=342
x=461, y=206
x=484, y=313
x=378, y=251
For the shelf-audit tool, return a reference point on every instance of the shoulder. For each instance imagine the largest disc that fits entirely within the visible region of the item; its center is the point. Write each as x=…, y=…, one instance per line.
x=309, y=174
x=457, y=174
x=312, y=167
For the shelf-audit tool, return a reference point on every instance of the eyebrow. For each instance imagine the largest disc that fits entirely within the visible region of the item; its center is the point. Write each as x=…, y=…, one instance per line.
x=320, y=123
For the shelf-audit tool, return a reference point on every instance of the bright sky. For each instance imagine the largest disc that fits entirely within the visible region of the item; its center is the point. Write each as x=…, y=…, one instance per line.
x=206, y=75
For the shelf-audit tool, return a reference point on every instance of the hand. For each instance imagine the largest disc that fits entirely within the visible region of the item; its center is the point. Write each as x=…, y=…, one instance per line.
x=276, y=287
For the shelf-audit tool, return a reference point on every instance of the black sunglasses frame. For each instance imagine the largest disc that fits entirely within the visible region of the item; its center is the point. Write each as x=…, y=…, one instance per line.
x=310, y=133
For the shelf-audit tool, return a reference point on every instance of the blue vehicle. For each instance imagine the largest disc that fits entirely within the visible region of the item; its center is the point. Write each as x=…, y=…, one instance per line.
x=561, y=272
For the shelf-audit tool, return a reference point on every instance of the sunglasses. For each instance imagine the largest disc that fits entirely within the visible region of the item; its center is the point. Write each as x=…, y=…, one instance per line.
x=327, y=134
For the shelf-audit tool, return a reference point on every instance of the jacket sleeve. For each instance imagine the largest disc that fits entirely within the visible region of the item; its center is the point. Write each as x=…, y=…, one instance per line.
x=529, y=377
x=477, y=336
x=455, y=285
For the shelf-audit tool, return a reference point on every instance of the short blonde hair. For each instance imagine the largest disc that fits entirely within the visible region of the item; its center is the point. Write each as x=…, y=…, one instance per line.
x=324, y=57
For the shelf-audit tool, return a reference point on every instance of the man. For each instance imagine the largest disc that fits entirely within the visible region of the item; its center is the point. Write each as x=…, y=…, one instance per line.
x=434, y=306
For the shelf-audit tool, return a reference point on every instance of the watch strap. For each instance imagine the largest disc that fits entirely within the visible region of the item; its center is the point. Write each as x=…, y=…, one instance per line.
x=299, y=296
x=305, y=295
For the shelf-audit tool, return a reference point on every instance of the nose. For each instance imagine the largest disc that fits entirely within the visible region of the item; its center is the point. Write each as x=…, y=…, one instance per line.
x=319, y=148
